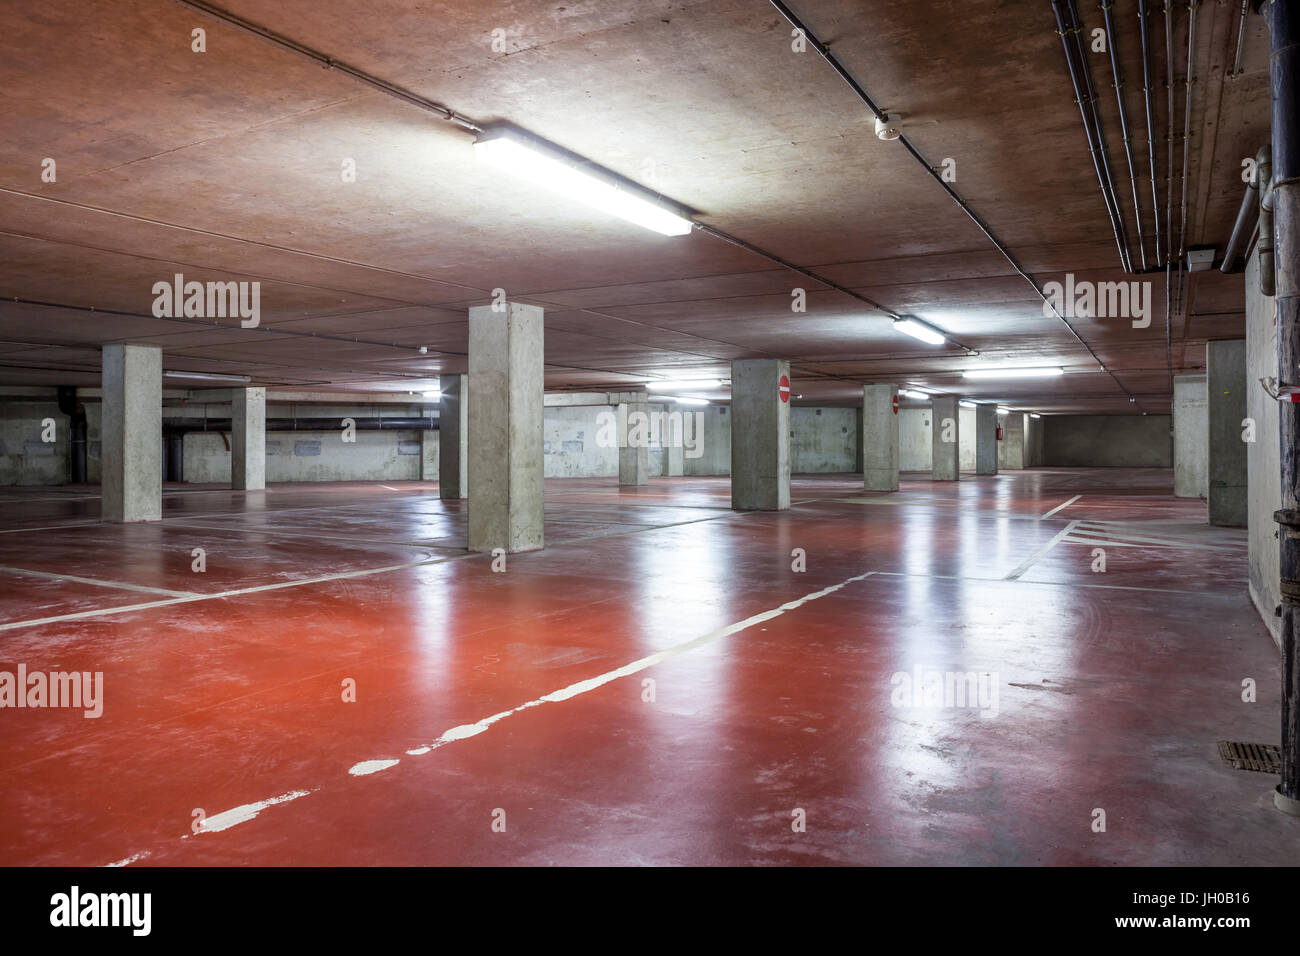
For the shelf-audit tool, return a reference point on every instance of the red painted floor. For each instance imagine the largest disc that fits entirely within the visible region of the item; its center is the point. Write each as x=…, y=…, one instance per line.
x=222, y=690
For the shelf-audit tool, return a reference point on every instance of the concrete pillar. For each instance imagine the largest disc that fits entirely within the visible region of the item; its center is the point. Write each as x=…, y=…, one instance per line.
x=504, y=434
x=858, y=463
x=1191, y=437
x=1011, y=450
x=131, y=433
x=1225, y=374
x=986, y=440
x=760, y=435
x=945, y=435
x=675, y=448
x=453, y=435
x=248, y=439
x=429, y=456
x=878, y=437
x=634, y=443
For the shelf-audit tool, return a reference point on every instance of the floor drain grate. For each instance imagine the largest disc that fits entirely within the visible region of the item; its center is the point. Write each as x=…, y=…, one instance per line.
x=1264, y=758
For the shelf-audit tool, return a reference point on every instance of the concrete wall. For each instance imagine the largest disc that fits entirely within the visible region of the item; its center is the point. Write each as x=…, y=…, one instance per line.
x=25, y=459
x=569, y=443
x=1263, y=465
x=823, y=440
x=1108, y=441
x=312, y=456
x=915, y=452
x=715, y=444
x=1191, y=437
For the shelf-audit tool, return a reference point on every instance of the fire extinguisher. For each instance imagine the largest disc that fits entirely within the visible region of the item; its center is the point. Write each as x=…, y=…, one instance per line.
x=999, y=433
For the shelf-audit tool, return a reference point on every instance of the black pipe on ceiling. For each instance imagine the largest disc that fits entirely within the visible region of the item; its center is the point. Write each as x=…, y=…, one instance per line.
x=1143, y=23
x=1069, y=29
x=1247, y=218
x=1113, y=47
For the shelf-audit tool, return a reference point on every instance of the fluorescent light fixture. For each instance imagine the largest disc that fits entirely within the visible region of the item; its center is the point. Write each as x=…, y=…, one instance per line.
x=966, y=404
x=684, y=384
x=683, y=400
x=1035, y=415
x=1003, y=411
x=920, y=330
x=912, y=393
x=1012, y=372
x=207, y=376
x=548, y=167
x=436, y=394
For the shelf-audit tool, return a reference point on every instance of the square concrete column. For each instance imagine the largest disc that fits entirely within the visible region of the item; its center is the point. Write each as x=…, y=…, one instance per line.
x=131, y=432
x=675, y=448
x=1191, y=437
x=429, y=456
x=986, y=440
x=505, y=427
x=760, y=435
x=248, y=439
x=1225, y=374
x=453, y=436
x=634, y=443
x=878, y=439
x=1011, y=450
x=858, y=464
x=945, y=435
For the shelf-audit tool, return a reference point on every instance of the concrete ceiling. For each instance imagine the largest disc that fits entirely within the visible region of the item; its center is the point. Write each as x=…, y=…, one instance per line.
x=226, y=165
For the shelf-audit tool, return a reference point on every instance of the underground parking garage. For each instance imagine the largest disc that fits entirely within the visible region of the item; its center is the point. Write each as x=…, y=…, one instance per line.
x=649, y=434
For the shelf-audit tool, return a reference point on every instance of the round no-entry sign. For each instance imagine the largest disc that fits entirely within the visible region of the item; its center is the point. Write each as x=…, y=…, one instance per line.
x=783, y=388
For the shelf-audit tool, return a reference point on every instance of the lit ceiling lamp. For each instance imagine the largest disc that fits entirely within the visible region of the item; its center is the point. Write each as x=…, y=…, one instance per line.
x=435, y=395
x=683, y=400
x=1012, y=372
x=966, y=404
x=1003, y=411
x=912, y=393
x=551, y=169
x=920, y=330
x=684, y=384
x=1035, y=415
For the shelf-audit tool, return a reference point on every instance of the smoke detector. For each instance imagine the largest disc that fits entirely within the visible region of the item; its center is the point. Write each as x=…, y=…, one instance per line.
x=887, y=128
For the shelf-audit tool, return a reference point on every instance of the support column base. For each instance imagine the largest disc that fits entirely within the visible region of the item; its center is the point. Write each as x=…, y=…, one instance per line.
x=1285, y=803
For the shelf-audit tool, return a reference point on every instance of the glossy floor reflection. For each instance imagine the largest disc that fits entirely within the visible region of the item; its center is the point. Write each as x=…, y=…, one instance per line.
x=660, y=685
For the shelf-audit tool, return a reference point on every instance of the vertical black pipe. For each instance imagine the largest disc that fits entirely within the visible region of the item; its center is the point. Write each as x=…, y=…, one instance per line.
x=76, y=413
x=1284, y=76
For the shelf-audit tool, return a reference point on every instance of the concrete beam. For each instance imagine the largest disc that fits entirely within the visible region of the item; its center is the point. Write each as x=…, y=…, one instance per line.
x=760, y=435
x=505, y=427
x=131, y=433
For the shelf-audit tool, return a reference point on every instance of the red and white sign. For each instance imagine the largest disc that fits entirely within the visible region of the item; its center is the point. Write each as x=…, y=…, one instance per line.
x=895, y=403
x=783, y=388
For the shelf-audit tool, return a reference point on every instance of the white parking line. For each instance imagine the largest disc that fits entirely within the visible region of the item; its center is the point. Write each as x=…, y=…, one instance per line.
x=1062, y=506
